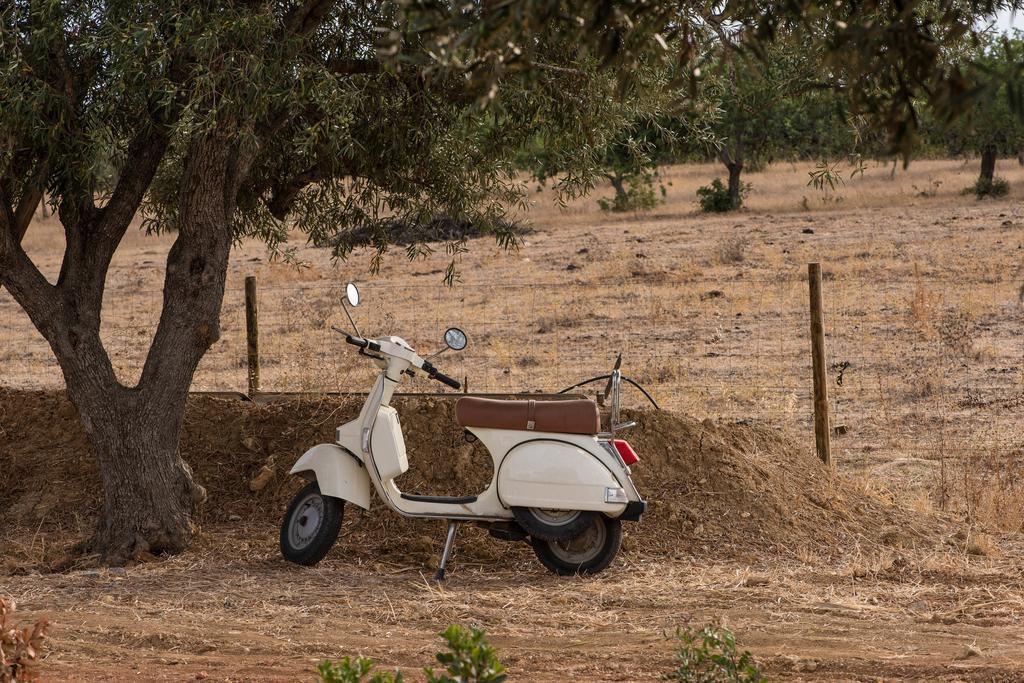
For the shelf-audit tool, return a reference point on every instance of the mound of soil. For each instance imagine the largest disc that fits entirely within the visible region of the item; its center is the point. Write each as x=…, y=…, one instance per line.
x=714, y=488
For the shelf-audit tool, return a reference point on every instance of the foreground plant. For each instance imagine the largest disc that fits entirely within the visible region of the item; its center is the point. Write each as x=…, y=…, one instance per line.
x=469, y=660
x=709, y=655
x=19, y=648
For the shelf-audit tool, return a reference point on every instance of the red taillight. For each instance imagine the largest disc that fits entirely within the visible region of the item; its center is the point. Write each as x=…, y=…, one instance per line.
x=626, y=452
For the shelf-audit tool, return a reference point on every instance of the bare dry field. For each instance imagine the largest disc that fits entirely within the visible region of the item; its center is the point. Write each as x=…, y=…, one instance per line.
x=923, y=310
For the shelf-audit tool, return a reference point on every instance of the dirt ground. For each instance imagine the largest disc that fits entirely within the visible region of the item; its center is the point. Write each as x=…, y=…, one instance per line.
x=259, y=620
x=819, y=577
x=893, y=569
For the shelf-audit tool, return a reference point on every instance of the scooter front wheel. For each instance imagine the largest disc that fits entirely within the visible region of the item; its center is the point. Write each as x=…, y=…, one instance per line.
x=590, y=552
x=310, y=525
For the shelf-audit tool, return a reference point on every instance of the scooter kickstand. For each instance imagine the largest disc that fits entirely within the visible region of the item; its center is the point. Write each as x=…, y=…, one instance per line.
x=448, y=543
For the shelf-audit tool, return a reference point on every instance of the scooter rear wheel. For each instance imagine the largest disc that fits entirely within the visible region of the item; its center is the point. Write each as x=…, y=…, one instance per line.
x=311, y=525
x=554, y=525
x=588, y=553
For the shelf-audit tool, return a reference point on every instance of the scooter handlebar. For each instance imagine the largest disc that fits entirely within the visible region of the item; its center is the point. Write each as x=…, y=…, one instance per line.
x=445, y=379
x=433, y=373
x=362, y=343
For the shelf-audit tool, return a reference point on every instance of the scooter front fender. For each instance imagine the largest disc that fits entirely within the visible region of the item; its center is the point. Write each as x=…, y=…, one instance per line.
x=339, y=473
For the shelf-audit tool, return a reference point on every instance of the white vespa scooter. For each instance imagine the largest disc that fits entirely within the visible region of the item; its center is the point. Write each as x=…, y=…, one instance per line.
x=558, y=482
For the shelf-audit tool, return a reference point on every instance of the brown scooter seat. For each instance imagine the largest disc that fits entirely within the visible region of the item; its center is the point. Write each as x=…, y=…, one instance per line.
x=562, y=417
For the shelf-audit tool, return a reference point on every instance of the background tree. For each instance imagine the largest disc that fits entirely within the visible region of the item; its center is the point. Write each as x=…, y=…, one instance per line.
x=994, y=127
x=749, y=92
x=223, y=120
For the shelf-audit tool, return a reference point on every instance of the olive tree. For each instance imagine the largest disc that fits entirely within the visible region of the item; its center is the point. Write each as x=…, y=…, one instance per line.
x=750, y=91
x=226, y=119
x=223, y=121
x=994, y=126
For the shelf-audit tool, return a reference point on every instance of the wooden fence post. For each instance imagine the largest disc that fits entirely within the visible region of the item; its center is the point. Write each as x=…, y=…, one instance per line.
x=821, y=423
x=252, y=334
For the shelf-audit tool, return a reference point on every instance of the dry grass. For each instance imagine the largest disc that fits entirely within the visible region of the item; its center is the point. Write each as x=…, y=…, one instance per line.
x=251, y=617
x=922, y=303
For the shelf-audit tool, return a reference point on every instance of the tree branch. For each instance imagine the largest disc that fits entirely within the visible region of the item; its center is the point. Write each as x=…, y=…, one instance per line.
x=21, y=277
x=353, y=67
x=307, y=16
x=32, y=192
x=723, y=154
x=145, y=152
x=285, y=194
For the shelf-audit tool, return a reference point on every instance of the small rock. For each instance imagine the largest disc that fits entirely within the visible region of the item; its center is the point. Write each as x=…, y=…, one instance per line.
x=969, y=651
x=572, y=266
x=582, y=251
x=890, y=536
x=712, y=294
x=262, y=478
x=202, y=676
x=808, y=231
x=976, y=549
x=756, y=580
x=251, y=443
x=234, y=518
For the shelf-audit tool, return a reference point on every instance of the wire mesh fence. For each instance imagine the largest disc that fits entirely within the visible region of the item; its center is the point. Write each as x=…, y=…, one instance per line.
x=919, y=366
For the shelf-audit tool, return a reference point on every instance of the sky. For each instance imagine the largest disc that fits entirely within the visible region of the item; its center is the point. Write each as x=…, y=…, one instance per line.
x=1007, y=20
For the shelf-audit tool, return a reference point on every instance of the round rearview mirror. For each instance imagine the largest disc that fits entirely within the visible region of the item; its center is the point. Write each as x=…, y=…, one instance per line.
x=455, y=339
x=352, y=294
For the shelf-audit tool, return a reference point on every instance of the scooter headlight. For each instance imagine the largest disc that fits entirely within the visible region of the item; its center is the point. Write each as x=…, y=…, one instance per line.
x=615, y=494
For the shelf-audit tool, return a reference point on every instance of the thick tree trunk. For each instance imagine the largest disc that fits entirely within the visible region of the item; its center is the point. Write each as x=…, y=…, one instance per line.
x=149, y=497
x=735, y=187
x=619, y=184
x=734, y=163
x=988, y=164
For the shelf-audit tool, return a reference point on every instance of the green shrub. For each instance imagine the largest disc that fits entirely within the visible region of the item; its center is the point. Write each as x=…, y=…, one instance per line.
x=983, y=187
x=709, y=656
x=350, y=670
x=469, y=660
x=715, y=198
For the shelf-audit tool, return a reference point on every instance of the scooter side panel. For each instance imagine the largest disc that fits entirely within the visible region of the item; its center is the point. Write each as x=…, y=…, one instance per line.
x=556, y=475
x=388, y=445
x=338, y=472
